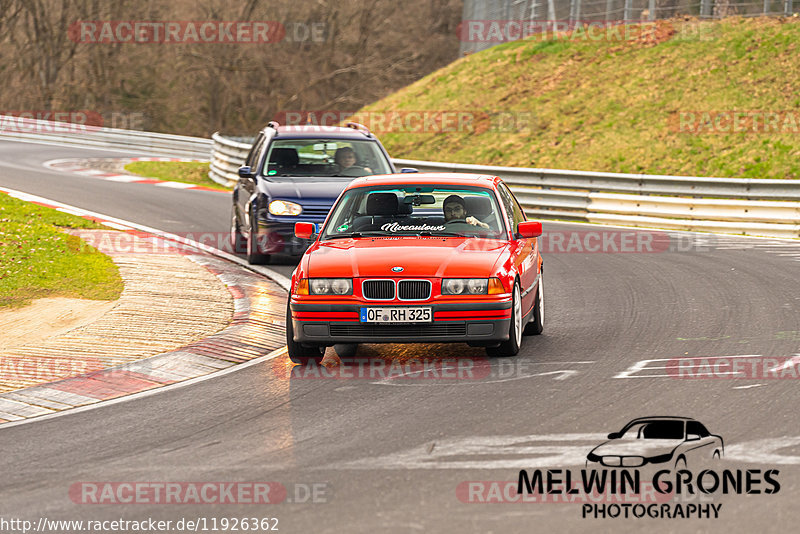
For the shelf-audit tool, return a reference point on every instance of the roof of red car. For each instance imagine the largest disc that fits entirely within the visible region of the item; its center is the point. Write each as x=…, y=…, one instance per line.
x=445, y=178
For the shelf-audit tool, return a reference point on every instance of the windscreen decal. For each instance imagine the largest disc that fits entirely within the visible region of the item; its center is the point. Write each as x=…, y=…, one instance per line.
x=397, y=227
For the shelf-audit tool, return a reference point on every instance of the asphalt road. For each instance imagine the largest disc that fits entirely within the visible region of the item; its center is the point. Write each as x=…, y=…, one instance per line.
x=394, y=454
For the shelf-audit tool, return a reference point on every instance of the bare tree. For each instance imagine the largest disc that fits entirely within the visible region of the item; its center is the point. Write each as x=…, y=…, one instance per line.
x=367, y=49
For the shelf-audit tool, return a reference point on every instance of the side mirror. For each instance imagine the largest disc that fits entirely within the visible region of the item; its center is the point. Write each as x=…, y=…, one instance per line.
x=613, y=435
x=245, y=171
x=304, y=230
x=692, y=437
x=530, y=229
x=408, y=169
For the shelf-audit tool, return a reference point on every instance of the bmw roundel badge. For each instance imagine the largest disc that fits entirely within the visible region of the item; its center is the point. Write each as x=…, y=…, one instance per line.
x=397, y=269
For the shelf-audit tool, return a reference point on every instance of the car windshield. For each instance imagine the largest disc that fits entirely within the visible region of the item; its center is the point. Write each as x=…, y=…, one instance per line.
x=290, y=158
x=418, y=209
x=655, y=430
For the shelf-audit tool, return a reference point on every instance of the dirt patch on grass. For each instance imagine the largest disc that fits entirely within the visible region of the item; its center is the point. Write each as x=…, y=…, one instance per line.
x=48, y=317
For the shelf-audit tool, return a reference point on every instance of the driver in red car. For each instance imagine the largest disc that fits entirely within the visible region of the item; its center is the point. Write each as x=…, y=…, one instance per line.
x=455, y=211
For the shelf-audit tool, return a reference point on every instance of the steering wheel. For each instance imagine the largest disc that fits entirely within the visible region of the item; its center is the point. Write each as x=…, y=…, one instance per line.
x=462, y=226
x=353, y=170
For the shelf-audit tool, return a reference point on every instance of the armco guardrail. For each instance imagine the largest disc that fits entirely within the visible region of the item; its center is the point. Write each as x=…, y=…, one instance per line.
x=159, y=144
x=727, y=205
x=641, y=184
x=228, y=155
x=730, y=205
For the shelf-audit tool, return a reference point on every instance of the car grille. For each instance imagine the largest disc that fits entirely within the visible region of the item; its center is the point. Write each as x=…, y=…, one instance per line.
x=378, y=289
x=379, y=330
x=316, y=211
x=414, y=289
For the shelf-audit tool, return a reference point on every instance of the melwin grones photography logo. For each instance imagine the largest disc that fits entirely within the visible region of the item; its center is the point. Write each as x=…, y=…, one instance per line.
x=654, y=467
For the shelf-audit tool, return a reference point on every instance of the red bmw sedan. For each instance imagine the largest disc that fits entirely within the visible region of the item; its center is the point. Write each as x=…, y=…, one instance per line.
x=418, y=258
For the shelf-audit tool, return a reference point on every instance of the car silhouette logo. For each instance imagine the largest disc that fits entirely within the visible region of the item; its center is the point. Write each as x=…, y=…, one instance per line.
x=674, y=441
x=397, y=269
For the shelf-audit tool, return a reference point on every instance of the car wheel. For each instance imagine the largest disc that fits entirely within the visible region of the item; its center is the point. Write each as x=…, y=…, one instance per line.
x=254, y=255
x=536, y=326
x=346, y=350
x=511, y=346
x=238, y=243
x=299, y=353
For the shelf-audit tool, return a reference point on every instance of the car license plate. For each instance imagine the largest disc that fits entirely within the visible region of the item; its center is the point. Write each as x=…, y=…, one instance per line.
x=396, y=315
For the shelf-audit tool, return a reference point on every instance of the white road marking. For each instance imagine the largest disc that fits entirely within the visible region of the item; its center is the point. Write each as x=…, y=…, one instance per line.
x=559, y=375
x=176, y=185
x=538, y=451
x=641, y=365
x=764, y=451
x=476, y=452
x=748, y=386
x=115, y=225
x=124, y=178
x=70, y=212
x=504, y=371
x=791, y=362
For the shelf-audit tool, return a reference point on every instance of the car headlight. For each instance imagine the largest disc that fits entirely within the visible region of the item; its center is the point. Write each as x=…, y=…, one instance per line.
x=465, y=286
x=660, y=459
x=331, y=286
x=284, y=207
x=592, y=457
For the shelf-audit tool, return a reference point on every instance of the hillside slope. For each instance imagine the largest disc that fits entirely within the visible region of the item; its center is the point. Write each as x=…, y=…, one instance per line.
x=622, y=105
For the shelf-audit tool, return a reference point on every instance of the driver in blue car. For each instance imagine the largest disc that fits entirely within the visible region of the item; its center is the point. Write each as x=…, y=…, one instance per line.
x=346, y=159
x=455, y=211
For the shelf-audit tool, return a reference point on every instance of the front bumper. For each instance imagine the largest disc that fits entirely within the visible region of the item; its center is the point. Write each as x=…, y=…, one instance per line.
x=277, y=237
x=328, y=324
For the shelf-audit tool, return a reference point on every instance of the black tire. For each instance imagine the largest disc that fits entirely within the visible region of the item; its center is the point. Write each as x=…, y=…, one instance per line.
x=254, y=255
x=346, y=350
x=297, y=352
x=237, y=240
x=536, y=325
x=510, y=347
